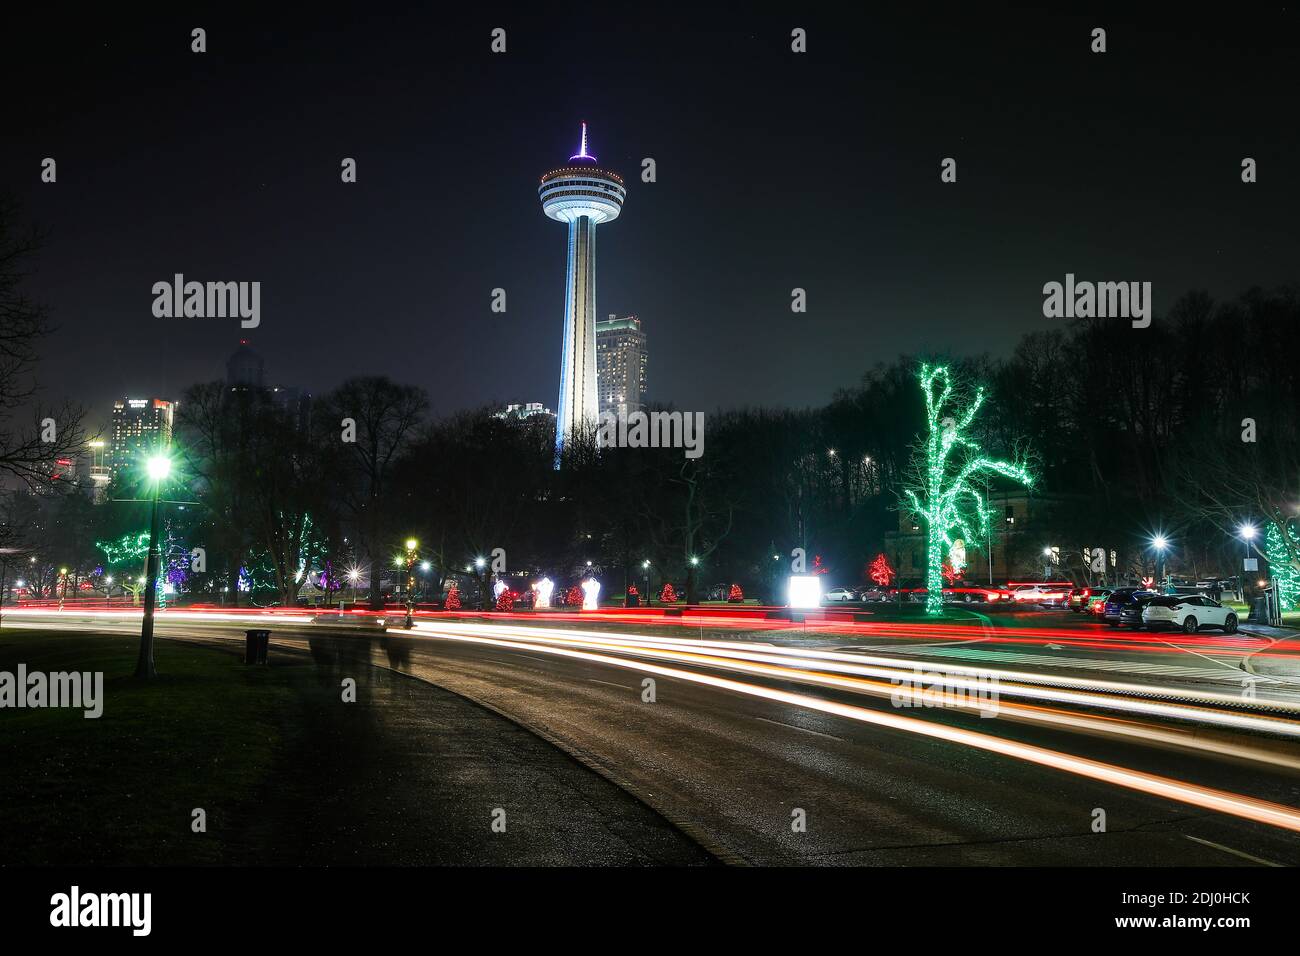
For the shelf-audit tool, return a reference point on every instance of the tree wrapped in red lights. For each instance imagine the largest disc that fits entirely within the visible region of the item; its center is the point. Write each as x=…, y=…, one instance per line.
x=880, y=571
x=573, y=596
x=506, y=602
x=735, y=595
x=453, y=599
x=668, y=595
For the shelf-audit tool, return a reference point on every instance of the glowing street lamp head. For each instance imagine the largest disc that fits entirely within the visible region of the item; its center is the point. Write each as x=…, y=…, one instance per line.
x=805, y=591
x=479, y=562
x=159, y=467
x=425, y=565
x=1248, y=531
x=1160, y=542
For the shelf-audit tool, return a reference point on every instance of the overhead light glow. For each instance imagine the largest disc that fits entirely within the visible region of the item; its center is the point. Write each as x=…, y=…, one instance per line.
x=159, y=467
x=805, y=591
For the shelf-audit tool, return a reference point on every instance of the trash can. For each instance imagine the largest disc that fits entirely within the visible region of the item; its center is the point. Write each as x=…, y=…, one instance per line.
x=1258, y=611
x=633, y=599
x=255, y=644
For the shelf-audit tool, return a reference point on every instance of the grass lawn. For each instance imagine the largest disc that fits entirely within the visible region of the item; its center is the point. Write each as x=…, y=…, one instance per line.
x=1289, y=618
x=206, y=733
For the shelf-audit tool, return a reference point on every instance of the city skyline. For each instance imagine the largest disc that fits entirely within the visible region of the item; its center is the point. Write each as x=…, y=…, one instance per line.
x=892, y=260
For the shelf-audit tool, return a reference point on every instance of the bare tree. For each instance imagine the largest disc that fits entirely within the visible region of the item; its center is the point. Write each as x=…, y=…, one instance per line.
x=27, y=452
x=385, y=416
x=1253, y=484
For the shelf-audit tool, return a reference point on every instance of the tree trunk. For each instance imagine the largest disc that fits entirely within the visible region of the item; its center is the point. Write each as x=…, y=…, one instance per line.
x=376, y=592
x=934, y=569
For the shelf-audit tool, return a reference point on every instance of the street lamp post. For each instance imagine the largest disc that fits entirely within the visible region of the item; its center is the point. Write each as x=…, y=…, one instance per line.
x=1247, y=532
x=411, y=546
x=485, y=584
x=159, y=468
x=1160, y=543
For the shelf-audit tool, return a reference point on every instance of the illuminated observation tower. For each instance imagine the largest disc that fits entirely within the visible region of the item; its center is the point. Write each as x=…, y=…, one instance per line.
x=581, y=195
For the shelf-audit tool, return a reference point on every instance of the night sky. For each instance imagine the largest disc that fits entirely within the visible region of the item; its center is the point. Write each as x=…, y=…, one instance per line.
x=775, y=170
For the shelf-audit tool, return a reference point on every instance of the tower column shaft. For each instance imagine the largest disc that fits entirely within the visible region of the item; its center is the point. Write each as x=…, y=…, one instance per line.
x=579, y=402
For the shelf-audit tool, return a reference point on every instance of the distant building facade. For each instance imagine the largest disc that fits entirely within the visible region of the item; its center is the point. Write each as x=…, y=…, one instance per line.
x=1019, y=528
x=141, y=426
x=621, y=360
x=526, y=410
x=245, y=369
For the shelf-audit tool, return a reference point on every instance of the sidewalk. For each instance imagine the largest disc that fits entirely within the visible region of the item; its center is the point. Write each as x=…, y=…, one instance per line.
x=413, y=774
x=1281, y=659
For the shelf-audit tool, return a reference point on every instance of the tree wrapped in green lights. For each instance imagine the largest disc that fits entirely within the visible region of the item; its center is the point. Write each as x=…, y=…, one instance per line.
x=1280, y=565
x=941, y=491
x=126, y=551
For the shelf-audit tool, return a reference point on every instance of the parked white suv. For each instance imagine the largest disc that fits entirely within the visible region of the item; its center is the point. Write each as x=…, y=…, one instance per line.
x=1189, y=612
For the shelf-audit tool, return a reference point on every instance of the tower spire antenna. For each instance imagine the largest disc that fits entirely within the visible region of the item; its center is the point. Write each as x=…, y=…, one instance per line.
x=582, y=147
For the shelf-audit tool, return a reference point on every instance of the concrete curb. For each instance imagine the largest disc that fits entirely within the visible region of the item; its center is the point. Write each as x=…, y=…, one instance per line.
x=1248, y=664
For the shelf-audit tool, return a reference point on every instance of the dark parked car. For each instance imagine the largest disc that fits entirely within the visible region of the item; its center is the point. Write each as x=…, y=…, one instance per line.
x=1081, y=598
x=907, y=589
x=1124, y=606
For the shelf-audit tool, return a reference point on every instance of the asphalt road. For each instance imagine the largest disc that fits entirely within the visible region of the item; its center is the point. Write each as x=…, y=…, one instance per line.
x=736, y=769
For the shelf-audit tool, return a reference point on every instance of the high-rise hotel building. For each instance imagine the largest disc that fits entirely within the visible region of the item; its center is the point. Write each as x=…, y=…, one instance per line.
x=621, y=364
x=141, y=426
